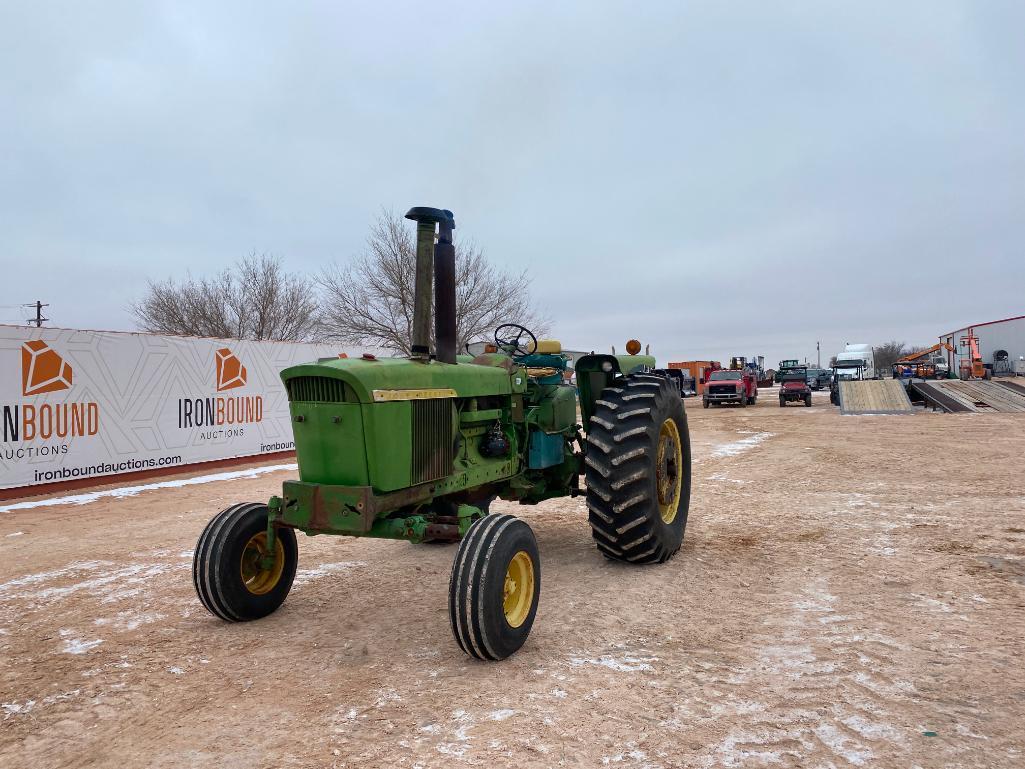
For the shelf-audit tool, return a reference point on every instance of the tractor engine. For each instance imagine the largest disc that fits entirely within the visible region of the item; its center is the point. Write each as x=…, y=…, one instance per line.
x=377, y=435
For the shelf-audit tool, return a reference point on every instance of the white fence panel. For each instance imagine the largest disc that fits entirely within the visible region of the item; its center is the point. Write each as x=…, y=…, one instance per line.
x=81, y=404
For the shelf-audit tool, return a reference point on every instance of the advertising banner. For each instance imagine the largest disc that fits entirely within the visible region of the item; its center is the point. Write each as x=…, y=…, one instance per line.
x=81, y=404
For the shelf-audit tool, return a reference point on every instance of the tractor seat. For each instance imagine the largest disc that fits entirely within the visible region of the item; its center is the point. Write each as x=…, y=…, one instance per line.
x=540, y=372
x=548, y=347
x=494, y=360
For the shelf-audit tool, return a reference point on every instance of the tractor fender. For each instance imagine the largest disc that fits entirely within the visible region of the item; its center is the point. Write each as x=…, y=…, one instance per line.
x=594, y=373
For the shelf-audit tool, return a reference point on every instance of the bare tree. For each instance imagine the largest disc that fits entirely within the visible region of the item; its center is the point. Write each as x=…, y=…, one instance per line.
x=370, y=300
x=887, y=354
x=256, y=299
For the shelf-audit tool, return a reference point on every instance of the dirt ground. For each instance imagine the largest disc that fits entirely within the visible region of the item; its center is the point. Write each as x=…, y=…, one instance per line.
x=850, y=593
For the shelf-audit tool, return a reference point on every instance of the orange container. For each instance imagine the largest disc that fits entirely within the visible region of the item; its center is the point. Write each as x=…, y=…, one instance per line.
x=698, y=369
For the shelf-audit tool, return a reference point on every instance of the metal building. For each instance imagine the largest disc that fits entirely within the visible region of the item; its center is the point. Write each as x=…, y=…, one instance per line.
x=1007, y=335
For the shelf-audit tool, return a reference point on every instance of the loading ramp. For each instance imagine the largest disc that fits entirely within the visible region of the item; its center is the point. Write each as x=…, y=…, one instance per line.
x=973, y=395
x=874, y=396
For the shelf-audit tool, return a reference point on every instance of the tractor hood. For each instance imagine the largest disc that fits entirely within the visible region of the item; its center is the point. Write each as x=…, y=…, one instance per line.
x=371, y=380
x=631, y=363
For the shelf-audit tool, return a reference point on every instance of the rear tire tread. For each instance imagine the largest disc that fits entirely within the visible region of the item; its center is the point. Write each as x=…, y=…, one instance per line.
x=624, y=515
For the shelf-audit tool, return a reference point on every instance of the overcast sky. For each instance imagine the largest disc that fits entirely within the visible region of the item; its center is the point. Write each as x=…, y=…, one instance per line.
x=714, y=179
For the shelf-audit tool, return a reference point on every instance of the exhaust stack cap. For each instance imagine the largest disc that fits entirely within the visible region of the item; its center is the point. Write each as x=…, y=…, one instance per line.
x=440, y=216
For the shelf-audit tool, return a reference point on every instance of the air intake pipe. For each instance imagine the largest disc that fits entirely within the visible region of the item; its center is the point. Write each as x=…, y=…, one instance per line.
x=440, y=260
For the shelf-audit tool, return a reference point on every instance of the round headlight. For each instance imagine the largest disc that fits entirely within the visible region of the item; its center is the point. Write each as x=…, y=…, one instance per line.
x=606, y=366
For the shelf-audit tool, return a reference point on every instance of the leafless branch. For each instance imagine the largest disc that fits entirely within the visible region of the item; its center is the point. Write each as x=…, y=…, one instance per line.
x=370, y=300
x=256, y=299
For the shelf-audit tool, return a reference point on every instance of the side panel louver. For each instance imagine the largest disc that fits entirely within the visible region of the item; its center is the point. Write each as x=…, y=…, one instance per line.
x=316, y=389
x=433, y=449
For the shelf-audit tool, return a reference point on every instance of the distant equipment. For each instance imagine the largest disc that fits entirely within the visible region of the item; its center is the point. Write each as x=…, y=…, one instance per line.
x=854, y=353
x=972, y=366
x=1002, y=364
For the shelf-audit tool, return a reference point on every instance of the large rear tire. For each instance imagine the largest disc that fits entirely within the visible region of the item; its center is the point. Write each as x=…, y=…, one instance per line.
x=494, y=588
x=235, y=575
x=638, y=471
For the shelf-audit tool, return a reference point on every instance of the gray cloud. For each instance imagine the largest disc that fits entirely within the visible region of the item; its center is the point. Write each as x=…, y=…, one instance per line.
x=714, y=179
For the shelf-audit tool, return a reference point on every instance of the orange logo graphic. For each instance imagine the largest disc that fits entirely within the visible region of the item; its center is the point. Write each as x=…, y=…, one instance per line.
x=43, y=370
x=230, y=371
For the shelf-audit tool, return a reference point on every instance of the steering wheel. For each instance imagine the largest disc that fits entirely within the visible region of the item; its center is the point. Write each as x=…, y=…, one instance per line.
x=514, y=342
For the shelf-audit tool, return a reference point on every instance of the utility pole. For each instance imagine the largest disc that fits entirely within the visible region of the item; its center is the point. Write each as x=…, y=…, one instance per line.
x=818, y=353
x=39, y=313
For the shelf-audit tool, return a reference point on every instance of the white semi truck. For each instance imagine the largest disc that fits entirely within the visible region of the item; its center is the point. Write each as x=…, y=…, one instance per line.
x=848, y=362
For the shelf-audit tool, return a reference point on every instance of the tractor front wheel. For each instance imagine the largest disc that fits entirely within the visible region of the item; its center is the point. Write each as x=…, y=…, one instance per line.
x=494, y=588
x=237, y=576
x=638, y=473
x=807, y=400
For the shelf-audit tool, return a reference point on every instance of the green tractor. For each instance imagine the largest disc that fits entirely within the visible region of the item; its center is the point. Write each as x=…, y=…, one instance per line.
x=417, y=449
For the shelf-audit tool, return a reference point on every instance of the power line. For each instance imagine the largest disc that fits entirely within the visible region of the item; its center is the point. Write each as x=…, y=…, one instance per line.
x=38, y=320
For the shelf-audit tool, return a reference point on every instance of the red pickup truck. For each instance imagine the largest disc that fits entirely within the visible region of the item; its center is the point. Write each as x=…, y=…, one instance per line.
x=732, y=386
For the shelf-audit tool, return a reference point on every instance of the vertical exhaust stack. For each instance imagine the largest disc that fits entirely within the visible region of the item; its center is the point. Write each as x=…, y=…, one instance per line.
x=427, y=220
x=445, y=292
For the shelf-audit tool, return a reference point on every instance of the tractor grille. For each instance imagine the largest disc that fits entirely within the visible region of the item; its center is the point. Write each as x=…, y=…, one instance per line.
x=316, y=389
x=433, y=447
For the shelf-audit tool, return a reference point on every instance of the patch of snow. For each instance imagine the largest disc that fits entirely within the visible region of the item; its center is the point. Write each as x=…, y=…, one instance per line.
x=17, y=708
x=501, y=715
x=739, y=447
x=23, y=708
x=724, y=477
x=46, y=576
x=842, y=745
x=932, y=604
x=738, y=750
x=460, y=738
x=129, y=620
x=871, y=730
x=131, y=491
x=964, y=731
x=15, y=534
x=175, y=670
x=114, y=584
x=303, y=576
x=78, y=646
x=860, y=500
x=624, y=664
x=632, y=753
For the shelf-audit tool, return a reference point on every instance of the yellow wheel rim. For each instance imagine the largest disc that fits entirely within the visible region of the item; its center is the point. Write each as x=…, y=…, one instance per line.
x=669, y=470
x=518, y=591
x=257, y=576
